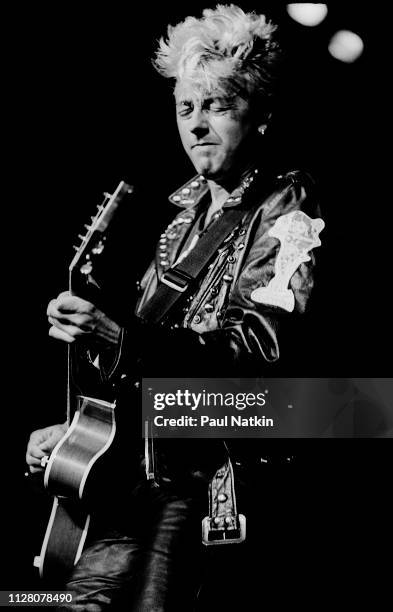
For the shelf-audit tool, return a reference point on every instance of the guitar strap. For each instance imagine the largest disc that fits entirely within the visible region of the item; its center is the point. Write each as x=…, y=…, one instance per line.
x=223, y=525
x=177, y=280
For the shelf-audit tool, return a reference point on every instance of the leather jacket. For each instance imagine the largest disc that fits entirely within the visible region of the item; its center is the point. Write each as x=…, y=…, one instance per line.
x=218, y=329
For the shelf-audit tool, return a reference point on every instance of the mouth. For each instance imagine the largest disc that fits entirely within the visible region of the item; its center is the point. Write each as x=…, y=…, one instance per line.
x=203, y=144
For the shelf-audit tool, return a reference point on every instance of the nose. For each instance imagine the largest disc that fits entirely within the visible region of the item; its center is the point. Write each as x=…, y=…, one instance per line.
x=199, y=123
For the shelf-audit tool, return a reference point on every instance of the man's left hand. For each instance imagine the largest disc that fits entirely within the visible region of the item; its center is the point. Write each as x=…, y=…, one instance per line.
x=72, y=318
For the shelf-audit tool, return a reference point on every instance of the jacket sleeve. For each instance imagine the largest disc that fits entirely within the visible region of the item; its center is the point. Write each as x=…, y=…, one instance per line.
x=251, y=335
x=254, y=332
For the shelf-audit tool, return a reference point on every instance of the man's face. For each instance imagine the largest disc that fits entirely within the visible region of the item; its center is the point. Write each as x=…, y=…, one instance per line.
x=214, y=130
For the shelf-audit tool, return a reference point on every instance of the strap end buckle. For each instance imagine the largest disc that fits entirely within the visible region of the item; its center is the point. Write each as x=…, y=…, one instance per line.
x=213, y=536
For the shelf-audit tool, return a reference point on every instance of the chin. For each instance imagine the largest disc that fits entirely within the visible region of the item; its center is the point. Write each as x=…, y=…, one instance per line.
x=209, y=171
x=206, y=166
x=216, y=174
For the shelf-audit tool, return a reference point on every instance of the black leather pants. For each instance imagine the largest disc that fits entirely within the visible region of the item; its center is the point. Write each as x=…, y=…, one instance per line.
x=150, y=564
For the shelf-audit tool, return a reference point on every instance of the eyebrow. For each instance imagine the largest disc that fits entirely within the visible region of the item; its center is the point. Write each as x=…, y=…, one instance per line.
x=208, y=100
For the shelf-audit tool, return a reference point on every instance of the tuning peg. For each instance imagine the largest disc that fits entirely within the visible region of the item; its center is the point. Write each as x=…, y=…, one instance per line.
x=75, y=247
x=81, y=237
x=87, y=268
x=88, y=227
x=106, y=194
x=97, y=250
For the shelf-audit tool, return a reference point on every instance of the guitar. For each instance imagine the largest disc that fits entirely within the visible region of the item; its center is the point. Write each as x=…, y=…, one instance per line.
x=91, y=421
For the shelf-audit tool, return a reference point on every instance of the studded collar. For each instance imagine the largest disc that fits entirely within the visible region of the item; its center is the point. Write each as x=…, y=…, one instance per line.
x=191, y=193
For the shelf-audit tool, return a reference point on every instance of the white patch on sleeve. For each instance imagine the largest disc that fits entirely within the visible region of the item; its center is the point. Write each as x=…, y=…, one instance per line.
x=298, y=234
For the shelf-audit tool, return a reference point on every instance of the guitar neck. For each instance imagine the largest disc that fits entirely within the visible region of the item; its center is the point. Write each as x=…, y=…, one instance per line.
x=82, y=280
x=69, y=416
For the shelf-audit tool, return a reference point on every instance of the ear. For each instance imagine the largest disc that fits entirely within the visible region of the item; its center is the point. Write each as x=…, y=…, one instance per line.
x=263, y=125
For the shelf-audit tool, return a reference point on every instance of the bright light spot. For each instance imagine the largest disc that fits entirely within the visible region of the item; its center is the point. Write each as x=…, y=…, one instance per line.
x=346, y=46
x=307, y=13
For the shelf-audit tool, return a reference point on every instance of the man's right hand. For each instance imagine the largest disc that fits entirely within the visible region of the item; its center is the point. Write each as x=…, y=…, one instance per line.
x=41, y=443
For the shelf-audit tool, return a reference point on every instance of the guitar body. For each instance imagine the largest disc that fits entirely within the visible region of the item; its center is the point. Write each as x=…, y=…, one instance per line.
x=89, y=436
x=92, y=425
x=63, y=542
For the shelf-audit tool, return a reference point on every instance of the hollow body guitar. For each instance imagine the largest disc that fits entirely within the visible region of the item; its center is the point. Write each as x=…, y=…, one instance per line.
x=92, y=428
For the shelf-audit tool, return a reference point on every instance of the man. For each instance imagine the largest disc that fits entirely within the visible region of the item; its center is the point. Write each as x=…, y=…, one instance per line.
x=224, y=67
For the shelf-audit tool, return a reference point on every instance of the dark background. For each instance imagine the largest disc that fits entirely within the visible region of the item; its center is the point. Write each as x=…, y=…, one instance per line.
x=89, y=110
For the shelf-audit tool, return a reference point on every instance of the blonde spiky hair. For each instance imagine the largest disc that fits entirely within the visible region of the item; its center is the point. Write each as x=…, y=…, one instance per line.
x=226, y=49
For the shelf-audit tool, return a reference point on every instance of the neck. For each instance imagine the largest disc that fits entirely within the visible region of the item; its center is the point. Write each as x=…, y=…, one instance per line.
x=220, y=190
x=219, y=195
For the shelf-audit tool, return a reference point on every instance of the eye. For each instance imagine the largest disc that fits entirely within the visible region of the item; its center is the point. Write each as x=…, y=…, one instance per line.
x=184, y=108
x=219, y=108
x=220, y=105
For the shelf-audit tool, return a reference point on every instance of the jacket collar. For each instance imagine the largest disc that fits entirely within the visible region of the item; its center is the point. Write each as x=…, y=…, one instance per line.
x=191, y=193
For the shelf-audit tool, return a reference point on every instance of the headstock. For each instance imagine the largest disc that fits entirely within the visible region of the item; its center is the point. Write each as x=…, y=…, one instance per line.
x=93, y=241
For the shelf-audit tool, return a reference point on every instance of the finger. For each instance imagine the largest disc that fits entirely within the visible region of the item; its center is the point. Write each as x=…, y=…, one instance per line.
x=59, y=334
x=51, y=309
x=48, y=445
x=35, y=470
x=54, y=311
x=67, y=303
x=35, y=452
x=73, y=303
x=83, y=321
x=33, y=461
x=71, y=330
